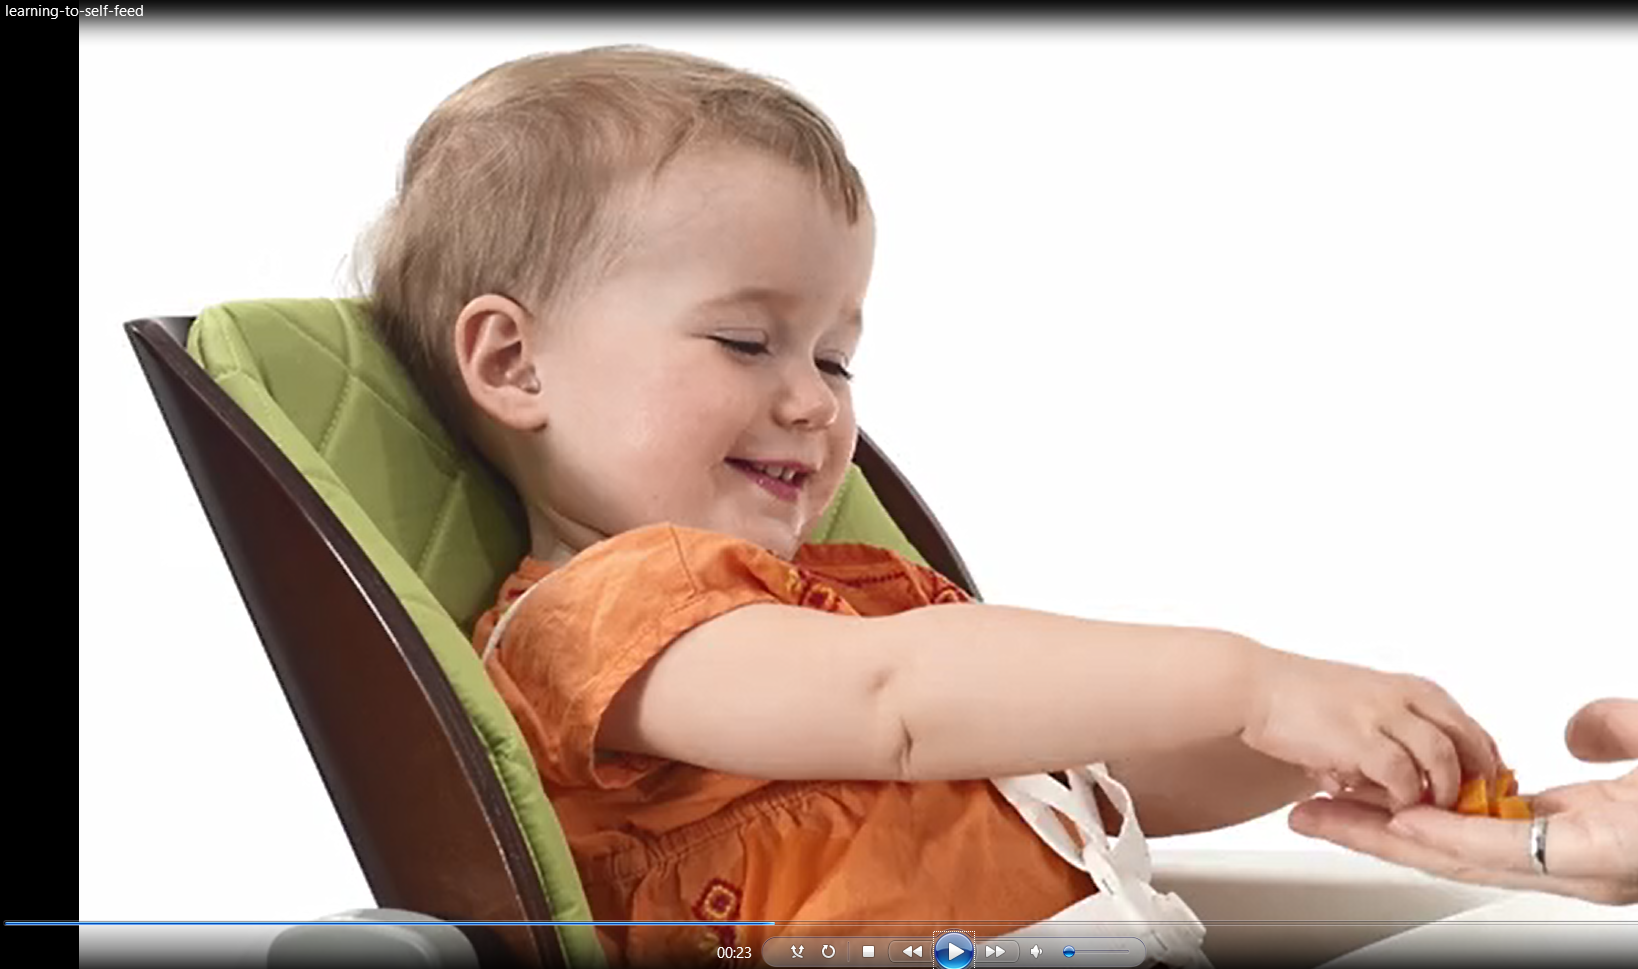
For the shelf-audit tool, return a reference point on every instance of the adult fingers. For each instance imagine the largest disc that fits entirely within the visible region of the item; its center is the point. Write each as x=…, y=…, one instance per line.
x=1604, y=730
x=1599, y=844
x=1582, y=795
x=1363, y=828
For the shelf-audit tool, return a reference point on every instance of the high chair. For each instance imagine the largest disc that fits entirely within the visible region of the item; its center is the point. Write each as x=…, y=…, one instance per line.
x=365, y=542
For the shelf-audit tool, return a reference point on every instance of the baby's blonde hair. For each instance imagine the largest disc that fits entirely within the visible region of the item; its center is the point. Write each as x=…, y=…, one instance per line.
x=506, y=187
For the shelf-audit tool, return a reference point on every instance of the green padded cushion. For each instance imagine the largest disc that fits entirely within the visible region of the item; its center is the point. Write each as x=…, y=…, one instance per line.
x=442, y=530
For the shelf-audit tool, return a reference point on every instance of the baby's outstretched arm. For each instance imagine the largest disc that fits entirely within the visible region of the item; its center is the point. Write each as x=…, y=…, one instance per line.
x=1207, y=786
x=948, y=692
x=973, y=691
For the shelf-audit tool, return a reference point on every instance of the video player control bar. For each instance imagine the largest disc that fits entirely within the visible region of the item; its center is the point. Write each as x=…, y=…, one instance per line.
x=952, y=950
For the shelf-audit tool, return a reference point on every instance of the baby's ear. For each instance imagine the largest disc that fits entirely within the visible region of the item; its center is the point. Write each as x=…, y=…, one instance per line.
x=493, y=350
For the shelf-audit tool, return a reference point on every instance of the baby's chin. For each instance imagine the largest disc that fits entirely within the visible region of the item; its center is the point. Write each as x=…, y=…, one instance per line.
x=778, y=540
x=780, y=534
x=784, y=545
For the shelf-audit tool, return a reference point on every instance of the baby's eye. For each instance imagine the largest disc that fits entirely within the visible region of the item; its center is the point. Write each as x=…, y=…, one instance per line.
x=751, y=348
x=748, y=347
x=835, y=369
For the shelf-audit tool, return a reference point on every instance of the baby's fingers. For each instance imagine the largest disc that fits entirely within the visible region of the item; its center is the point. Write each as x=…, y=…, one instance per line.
x=1475, y=749
x=1367, y=793
x=1434, y=752
x=1388, y=763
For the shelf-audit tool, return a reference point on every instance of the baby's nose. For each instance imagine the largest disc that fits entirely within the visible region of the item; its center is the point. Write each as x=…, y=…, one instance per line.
x=808, y=401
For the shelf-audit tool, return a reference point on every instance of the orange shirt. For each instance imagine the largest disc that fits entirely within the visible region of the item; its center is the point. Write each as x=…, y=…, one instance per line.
x=655, y=839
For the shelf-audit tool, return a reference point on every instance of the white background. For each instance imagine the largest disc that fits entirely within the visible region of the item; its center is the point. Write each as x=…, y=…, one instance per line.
x=1321, y=333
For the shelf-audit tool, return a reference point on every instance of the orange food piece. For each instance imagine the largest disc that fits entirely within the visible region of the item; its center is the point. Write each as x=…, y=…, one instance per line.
x=1474, y=797
x=1493, y=797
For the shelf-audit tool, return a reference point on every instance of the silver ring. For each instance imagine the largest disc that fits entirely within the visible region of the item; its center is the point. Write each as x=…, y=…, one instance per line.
x=1538, y=844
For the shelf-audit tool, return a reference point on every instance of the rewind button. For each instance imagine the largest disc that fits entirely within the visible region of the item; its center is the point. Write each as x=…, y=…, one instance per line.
x=909, y=950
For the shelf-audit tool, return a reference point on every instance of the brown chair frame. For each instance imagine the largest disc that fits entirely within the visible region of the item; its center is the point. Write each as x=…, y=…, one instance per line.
x=409, y=777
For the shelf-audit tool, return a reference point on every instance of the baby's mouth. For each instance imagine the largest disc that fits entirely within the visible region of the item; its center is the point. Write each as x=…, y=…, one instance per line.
x=777, y=473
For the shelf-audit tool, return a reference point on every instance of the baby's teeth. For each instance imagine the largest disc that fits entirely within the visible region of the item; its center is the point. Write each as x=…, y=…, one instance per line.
x=783, y=474
x=778, y=473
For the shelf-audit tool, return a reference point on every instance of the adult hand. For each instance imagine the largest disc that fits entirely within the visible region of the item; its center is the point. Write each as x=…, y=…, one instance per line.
x=1592, y=832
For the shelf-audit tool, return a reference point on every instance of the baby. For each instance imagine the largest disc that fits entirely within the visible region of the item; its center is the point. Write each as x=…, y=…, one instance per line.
x=635, y=280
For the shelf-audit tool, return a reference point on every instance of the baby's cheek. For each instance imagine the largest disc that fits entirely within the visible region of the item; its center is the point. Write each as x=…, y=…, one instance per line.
x=823, y=492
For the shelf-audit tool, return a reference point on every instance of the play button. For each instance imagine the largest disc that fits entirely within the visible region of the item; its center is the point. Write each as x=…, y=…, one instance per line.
x=954, y=951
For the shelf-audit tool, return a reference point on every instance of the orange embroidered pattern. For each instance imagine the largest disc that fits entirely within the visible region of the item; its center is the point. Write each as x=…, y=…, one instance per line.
x=805, y=591
x=719, y=902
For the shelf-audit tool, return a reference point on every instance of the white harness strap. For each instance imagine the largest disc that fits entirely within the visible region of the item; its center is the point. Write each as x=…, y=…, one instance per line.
x=505, y=620
x=1121, y=871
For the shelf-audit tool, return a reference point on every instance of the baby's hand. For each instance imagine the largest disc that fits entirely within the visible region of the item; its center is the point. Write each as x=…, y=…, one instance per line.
x=1357, y=727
